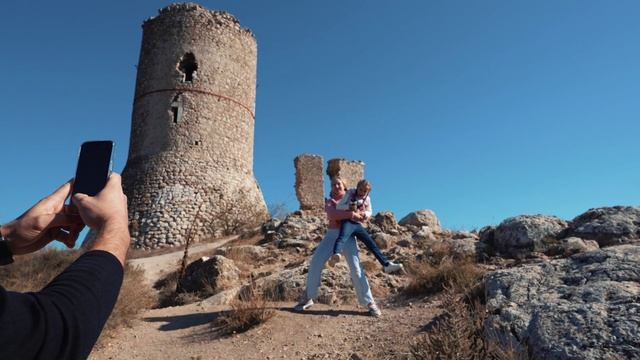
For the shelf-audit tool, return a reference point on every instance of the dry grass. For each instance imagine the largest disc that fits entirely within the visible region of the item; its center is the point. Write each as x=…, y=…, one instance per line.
x=32, y=272
x=167, y=295
x=248, y=311
x=459, y=334
x=135, y=296
x=428, y=279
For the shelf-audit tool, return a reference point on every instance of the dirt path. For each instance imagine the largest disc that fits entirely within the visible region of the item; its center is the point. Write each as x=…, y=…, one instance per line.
x=324, y=332
x=155, y=266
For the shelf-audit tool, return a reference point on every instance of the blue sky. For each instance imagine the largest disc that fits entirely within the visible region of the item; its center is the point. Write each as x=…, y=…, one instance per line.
x=476, y=110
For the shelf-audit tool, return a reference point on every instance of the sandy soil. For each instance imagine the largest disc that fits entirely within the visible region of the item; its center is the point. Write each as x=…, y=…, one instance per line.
x=323, y=332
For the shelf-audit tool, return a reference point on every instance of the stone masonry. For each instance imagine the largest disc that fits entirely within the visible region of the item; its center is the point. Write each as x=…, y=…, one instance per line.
x=351, y=171
x=310, y=179
x=190, y=164
x=310, y=182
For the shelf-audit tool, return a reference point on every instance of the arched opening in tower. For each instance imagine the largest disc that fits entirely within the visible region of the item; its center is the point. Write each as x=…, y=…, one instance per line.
x=176, y=108
x=188, y=66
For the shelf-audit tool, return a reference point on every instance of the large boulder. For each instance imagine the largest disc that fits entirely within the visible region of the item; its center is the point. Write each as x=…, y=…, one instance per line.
x=301, y=226
x=518, y=236
x=386, y=222
x=574, y=245
x=422, y=218
x=608, y=225
x=384, y=241
x=210, y=275
x=465, y=248
x=582, y=307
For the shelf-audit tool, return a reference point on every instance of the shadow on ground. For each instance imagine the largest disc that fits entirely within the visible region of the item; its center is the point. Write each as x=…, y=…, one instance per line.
x=325, y=312
x=179, y=322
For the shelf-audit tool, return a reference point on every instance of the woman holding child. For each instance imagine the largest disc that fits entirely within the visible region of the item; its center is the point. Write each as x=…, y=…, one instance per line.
x=348, y=248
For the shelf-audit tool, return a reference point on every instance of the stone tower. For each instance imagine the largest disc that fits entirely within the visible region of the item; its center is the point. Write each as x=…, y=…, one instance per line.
x=190, y=165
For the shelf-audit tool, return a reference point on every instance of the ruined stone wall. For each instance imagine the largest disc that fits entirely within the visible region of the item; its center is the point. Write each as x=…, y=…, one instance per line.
x=310, y=182
x=191, y=148
x=351, y=171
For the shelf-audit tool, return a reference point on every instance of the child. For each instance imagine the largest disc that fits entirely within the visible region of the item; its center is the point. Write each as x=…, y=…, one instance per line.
x=358, y=201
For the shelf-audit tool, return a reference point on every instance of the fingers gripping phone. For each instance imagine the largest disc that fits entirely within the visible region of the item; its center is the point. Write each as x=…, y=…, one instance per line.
x=94, y=167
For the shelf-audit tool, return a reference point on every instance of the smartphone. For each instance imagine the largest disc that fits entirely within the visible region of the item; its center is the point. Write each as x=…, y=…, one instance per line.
x=94, y=167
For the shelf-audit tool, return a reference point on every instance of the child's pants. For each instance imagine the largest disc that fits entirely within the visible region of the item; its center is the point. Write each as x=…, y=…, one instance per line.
x=350, y=228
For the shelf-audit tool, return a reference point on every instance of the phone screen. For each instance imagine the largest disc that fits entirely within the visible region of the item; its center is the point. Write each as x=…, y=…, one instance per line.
x=94, y=167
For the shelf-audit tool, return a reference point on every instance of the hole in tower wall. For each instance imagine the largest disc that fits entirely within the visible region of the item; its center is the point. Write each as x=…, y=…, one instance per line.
x=188, y=66
x=176, y=109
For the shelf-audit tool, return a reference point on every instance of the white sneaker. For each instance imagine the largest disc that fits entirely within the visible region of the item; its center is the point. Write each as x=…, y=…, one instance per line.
x=333, y=260
x=374, y=310
x=393, y=267
x=303, y=305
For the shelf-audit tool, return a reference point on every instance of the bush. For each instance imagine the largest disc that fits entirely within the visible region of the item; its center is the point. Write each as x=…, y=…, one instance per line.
x=32, y=272
x=278, y=210
x=167, y=295
x=135, y=296
x=428, y=279
x=248, y=311
x=459, y=334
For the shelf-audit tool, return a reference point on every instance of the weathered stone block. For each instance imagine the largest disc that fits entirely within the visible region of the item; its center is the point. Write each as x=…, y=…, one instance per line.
x=310, y=182
x=350, y=171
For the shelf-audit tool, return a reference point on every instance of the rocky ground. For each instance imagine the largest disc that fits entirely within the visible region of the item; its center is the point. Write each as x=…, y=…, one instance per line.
x=559, y=289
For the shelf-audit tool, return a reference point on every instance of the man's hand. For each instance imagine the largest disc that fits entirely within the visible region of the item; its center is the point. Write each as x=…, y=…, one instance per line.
x=106, y=213
x=50, y=219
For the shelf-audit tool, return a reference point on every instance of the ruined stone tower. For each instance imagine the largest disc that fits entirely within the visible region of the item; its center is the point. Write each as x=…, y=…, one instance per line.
x=190, y=165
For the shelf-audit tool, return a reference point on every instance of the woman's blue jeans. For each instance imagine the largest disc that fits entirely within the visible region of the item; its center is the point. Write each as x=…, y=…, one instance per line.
x=323, y=252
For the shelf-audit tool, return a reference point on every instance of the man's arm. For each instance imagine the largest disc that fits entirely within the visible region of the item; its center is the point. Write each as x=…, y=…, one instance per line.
x=64, y=319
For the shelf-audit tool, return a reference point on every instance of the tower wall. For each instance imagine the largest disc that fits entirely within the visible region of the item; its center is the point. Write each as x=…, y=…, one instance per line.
x=190, y=165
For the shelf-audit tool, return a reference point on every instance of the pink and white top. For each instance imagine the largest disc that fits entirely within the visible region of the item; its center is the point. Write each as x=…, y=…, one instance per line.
x=362, y=204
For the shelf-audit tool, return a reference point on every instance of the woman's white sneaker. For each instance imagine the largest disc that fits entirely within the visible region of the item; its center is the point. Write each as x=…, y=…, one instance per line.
x=393, y=267
x=374, y=310
x=304, y=304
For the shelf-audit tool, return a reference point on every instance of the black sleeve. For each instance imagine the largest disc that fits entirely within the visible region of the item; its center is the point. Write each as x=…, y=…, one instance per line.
x=63, y=320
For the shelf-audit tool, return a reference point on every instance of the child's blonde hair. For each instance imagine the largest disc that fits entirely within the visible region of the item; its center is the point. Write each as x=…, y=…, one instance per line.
x=365, y=183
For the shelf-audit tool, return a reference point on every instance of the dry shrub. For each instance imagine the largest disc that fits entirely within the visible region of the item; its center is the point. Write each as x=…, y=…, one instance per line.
x=238, y=255
x=436, y=252
x=248, y=311
x=135, y=296
x=427, y=279
x=167, y=295
x=32, y=272
x=459, y=334
x=274, y=290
